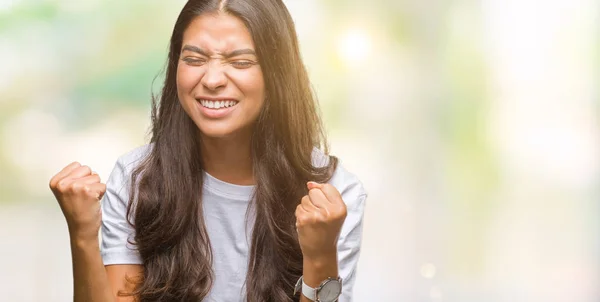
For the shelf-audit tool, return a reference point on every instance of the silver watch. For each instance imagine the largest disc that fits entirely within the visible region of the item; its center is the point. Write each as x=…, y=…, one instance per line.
x=328, y=291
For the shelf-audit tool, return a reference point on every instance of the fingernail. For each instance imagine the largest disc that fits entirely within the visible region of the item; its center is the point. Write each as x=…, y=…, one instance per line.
x=312, y=184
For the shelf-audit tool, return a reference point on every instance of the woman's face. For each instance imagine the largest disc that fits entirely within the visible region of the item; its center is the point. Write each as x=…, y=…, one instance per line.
x=219, y=82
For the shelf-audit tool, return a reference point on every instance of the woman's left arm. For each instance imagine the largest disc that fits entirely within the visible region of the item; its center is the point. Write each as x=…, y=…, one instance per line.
x=330, y=231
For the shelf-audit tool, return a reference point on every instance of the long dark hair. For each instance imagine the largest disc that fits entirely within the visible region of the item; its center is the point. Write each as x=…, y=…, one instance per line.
x=166, y=207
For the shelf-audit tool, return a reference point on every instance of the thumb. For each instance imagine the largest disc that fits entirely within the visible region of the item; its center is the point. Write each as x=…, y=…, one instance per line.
x=312, y=185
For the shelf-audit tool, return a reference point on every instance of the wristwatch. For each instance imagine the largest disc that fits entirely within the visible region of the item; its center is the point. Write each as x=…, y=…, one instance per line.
x=328, y=291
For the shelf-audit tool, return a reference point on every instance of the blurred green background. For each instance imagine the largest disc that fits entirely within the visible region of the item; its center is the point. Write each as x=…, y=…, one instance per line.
x=474, y=125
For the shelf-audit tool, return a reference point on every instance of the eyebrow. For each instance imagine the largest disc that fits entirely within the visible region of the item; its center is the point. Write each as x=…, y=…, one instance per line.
x=237, y=52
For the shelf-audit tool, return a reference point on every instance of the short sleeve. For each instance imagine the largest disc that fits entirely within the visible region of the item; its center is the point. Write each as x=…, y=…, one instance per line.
x=116, y=230
x=349, y=247
x=349, y=242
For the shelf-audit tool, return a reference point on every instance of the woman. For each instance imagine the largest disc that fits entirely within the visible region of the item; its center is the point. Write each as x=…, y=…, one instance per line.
x=232, y=199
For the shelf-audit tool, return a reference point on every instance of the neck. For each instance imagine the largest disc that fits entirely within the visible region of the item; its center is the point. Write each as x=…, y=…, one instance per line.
x=228, y=159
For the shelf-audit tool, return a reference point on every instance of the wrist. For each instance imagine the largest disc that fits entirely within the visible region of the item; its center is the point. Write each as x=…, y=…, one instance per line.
x=84, y=242
x=83, y=233
x=321, y=258
x=317, y=269
x=320, y=280
x=321, y=261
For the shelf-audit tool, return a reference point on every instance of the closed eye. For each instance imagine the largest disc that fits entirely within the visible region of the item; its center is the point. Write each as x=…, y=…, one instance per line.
x=193, y=61
x=242, y=64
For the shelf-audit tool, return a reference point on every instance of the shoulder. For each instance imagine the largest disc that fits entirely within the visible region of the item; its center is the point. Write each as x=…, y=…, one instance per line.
x=120, y=176
x=133, y=158
x=346, y=182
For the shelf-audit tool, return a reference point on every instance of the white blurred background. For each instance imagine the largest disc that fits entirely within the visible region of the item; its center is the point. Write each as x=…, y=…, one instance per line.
x=474, y=126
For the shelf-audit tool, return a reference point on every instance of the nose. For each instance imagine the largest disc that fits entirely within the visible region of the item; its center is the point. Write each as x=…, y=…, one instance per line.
x=214, y=77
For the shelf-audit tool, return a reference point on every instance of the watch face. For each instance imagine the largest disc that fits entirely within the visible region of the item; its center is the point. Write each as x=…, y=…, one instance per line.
x=330, y=291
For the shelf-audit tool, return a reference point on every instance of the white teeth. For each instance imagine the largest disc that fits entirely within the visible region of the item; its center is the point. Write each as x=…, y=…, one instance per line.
x=217, y=104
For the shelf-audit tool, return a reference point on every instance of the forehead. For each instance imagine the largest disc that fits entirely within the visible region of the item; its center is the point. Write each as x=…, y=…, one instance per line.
x=218, y=32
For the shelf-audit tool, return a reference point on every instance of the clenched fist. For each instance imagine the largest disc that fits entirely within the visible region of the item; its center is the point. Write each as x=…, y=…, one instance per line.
x=319, y=219
x=78, y=191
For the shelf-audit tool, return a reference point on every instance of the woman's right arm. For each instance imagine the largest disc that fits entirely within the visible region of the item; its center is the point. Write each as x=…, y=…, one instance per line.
x=95, y=282
x=117, y=278
x=90, y=280
x=78, y=191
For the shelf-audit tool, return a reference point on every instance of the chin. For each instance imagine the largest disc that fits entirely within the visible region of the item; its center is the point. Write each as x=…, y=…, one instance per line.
x=217, y=131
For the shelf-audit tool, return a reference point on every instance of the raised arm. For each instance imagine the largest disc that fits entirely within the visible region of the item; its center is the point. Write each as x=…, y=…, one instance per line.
x=78, y=191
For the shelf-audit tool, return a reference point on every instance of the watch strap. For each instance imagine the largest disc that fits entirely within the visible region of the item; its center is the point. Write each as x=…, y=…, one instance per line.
x=309, y=292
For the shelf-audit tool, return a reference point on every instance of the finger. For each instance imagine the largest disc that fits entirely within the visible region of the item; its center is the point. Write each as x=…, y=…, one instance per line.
x=332, y=194
x=64, y=172
x=300, y=211
x=303, y=217
x=97, y=189
x=318, y=198
x=311, y=185
x=307, y=204
x=91, y=179
x=80, y=172
x=101, y=195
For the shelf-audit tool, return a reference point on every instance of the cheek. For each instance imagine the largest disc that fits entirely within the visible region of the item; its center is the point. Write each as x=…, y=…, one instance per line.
x=254, y=87
x=187, y=79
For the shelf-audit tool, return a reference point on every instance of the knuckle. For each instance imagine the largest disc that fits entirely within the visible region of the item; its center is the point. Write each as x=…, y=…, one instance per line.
x=322, y=215
x=77, y=187
x=62, y=185
x=344, y=209
x=339, y=212
x=86, y=169
x=338, y=216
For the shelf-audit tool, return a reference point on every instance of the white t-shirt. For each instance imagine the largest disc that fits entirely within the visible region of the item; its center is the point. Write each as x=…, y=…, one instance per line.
x=224, y=207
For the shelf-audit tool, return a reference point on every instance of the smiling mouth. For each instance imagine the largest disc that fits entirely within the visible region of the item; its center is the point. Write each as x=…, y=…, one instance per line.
x=221, y=104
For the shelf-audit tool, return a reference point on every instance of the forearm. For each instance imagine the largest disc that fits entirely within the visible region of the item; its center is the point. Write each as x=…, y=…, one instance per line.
x=316, y=271
x=90, y=283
